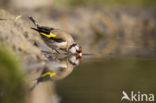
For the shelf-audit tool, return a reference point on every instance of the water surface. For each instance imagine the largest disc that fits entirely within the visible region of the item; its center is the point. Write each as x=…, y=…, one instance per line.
x=103, y=80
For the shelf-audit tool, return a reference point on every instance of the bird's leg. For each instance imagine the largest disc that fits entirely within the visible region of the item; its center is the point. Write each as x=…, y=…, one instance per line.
x=57, y=51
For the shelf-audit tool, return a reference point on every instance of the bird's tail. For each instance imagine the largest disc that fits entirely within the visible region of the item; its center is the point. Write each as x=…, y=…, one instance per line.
x=36, y=29
x=32, y=19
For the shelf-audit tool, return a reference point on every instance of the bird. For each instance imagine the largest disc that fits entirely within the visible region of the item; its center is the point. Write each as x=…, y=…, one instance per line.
x=57, y=39
x=61, y=67
x=58, y=69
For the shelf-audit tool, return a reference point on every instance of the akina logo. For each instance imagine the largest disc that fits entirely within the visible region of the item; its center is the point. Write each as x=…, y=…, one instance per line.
x=138, y=96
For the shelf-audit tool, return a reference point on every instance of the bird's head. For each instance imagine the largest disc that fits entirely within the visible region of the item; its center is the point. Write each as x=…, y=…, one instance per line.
x=75, y=49
x=75, y=60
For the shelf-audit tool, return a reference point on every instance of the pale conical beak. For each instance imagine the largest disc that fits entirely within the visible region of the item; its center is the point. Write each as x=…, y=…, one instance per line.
x=80, y=54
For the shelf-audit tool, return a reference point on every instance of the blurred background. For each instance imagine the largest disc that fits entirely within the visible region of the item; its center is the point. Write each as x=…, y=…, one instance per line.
x=121, y=34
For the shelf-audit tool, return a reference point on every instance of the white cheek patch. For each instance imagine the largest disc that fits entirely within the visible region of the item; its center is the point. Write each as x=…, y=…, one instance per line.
x=74, y=60
x=76, y=47
x=72, y=50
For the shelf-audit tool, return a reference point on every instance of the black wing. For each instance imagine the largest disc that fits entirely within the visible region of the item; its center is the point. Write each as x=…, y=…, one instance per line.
x=45, y=29
x=39, y=28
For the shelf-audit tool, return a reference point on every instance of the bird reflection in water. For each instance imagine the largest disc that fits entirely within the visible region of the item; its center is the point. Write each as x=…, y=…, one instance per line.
x=58, y=68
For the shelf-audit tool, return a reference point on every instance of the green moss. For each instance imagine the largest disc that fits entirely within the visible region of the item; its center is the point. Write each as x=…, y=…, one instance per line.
x=12, y=84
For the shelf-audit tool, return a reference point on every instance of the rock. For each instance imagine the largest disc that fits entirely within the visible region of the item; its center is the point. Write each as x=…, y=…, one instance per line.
x=19, y=37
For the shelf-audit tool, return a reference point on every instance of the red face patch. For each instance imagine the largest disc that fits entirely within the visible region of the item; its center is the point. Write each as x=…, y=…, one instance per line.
x=80, y=50
x=75, y=54
x=80, y=58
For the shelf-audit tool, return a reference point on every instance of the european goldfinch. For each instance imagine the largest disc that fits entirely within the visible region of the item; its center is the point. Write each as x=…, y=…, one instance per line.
x=57, y=39
x=58, y=69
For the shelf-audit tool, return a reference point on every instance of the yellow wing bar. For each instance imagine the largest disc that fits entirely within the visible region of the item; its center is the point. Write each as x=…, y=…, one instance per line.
x=49, y=73
x=48, y=35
